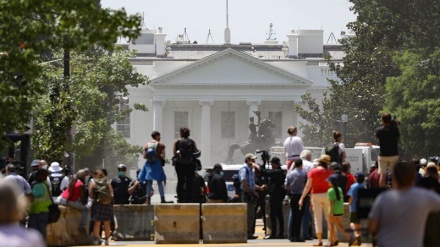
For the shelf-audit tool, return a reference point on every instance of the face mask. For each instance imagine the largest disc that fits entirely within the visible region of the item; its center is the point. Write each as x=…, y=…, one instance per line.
x=121, y=173
x=222, y=173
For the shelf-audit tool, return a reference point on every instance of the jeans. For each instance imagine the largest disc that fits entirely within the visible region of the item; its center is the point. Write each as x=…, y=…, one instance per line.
x=78, y=205
x=150, y=187
x=39, y=222
x=305, y=218
x=297, y=215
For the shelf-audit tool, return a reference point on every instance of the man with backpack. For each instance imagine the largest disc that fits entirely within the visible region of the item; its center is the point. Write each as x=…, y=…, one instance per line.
x=184, y=162
x=58, y=181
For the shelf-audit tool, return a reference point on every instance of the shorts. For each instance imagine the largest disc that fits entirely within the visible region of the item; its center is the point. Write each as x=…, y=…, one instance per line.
x=386, y=162
x=354, y=218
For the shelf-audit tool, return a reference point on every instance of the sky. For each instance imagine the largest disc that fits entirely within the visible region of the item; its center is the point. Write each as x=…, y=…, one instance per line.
x=248, y=19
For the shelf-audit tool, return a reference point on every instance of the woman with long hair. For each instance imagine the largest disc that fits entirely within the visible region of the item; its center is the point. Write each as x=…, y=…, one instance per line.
x=317, y=185
x=101, y=193
x=336, y=210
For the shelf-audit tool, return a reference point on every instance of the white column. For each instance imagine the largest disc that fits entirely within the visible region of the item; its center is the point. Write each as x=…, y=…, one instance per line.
x=205, y=145
x=253, y=106
x=293, y=44
x=157, y=114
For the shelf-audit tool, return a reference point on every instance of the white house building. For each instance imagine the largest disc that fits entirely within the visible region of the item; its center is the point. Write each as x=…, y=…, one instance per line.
x=213, y=89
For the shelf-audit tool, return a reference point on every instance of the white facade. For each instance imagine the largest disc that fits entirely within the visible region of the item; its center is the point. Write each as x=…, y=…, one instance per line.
x=213, y=90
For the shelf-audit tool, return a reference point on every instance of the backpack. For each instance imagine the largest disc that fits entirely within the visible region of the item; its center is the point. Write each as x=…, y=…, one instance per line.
x=185, y=147
x=332, y=150
x=103, y=193
x=56, y=185
x=151, y=152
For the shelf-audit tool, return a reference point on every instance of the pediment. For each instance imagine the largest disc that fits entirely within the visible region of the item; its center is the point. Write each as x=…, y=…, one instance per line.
x=230, y=68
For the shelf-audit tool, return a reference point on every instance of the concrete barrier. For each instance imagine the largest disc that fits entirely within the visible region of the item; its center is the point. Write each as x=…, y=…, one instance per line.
x=135, y=222
x=177, y=223
x=224, y=222
x=65, y=232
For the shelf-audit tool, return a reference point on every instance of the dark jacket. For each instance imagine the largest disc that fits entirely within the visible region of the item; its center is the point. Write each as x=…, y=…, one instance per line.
x=217, y=188
x=276, y=184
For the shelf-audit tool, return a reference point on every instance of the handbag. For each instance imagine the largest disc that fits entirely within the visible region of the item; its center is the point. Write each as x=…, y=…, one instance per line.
x=54, y=211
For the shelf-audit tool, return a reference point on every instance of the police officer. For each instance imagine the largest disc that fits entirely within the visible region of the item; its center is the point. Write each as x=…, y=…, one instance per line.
x=120, y=186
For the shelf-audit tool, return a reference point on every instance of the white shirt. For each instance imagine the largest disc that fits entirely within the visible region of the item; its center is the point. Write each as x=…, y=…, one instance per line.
x=307, y=165
x=293, y=146
x=64, y=183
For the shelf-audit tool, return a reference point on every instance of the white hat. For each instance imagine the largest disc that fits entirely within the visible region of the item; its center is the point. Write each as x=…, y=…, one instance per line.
x=423, y=162
x=55, y=167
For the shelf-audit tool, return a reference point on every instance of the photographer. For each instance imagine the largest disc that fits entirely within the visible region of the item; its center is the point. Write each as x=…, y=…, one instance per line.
x=388, y=136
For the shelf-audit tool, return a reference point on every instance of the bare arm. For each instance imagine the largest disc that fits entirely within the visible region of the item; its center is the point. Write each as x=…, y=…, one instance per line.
x=305, y=191
x=175, y=149
x=350, y=201
x=91, y=187
x=373, y=226
x=133, y=187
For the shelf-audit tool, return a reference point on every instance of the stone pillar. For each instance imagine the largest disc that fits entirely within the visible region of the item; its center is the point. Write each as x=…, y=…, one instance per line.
x=205, y=145
x=293, y=44
x=160, y=43
x=157, y=114
x=253, y=106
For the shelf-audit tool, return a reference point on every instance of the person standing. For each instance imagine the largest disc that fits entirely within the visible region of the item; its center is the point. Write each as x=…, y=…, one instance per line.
x=249, y=191
x=58, y=180
x=120, y=185
x=346, y=170
x=353, y=193
x=38, y=210
x=336, y=150
x=102, y=197
x=276, y=195
x=154, y=153
x=17, y=180
x=373, y=177
x=388, y=136
x=295, y=182
x=12, y=208
x=316, y=183
x=293, y=146
x=183, y=160
x=217, y=186
x=398, y=216
x=35, y=165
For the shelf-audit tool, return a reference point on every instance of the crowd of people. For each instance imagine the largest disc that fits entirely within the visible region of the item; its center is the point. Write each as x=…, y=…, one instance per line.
x=315, y=189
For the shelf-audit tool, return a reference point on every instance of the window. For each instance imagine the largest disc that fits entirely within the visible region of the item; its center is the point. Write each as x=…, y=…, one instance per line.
x=123, y=126
x=276, y=118
x=228, y=124
x=145, y=39
x=180, y=120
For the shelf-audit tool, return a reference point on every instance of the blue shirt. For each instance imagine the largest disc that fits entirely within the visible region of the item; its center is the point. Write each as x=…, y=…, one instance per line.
x=354, y=192
x=20, y=182
x=295, y=181
x=247, y=174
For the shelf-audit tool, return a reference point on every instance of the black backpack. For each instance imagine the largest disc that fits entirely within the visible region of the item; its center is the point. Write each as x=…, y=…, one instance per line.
x=185, y=147
x=332, y=150
x=56, y=184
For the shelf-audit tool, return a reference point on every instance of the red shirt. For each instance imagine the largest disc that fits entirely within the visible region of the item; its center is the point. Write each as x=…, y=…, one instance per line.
x=350, y=181
x=75, y=193
x=318, y=176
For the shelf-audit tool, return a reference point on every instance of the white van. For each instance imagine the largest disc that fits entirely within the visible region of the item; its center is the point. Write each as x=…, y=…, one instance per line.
x=362, y=156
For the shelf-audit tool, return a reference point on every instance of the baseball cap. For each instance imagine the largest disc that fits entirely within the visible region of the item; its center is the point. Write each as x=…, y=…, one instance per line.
x=359, y=175
x=250, y=156
x=35, y=163
x=332, y=178
x=122, y=167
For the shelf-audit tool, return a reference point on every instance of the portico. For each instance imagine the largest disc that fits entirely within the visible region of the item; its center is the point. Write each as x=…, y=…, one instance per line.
x=216, y=95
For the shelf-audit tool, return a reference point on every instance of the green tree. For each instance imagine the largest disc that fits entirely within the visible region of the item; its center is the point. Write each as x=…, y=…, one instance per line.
x=30, y=28
x=97, y=80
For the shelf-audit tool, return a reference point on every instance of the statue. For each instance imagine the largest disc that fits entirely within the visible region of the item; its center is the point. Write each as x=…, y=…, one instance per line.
x=258, y=140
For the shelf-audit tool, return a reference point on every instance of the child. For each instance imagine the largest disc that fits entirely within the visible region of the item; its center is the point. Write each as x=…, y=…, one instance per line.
x=353, y=192
x=336, y=210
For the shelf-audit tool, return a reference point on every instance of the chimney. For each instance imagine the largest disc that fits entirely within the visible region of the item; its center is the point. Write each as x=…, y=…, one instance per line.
x=293, y=43
x=160, y=42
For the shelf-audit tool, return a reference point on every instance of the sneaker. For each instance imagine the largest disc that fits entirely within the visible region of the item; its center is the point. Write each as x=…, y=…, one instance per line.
x=106, y=242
